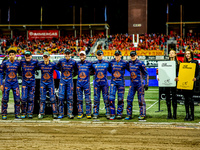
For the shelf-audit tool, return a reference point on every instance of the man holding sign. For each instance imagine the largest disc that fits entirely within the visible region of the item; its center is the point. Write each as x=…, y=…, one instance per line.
x=191, y=71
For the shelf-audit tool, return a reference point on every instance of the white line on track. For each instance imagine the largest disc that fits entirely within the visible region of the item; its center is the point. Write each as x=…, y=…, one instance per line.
x=152, y=105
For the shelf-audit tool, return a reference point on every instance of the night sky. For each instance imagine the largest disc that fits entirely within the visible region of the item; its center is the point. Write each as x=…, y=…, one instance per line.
x=61, y=12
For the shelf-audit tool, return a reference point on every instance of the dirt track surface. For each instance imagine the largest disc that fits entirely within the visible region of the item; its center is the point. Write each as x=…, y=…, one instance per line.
x=100, y=136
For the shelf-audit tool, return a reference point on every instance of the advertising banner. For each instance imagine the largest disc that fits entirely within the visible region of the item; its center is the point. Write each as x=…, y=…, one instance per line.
x=139, y=52
x=167, y=73
x=186, y=75
x=42, y=34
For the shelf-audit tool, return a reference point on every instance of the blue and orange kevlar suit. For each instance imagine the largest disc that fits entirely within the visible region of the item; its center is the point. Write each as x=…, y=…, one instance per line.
x=67, y=67
x=47, y=83
x=28, y=85
x=137, y=71
x=11, y=82
x=100, y=84
x=117, y=70
x=83, y=84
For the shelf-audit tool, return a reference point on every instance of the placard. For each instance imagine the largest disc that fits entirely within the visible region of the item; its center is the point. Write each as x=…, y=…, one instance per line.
x=186, y=76
x=167, y=73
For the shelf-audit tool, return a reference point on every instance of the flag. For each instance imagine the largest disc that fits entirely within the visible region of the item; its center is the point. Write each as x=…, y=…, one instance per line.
x=105, y=14
x=9, y=14
x=41, y=15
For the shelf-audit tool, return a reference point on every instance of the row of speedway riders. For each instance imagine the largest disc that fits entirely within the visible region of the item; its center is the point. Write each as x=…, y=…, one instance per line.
x=69, y=67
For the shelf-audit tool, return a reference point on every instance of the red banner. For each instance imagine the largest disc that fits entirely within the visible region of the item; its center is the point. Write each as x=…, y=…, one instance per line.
x=42, y=34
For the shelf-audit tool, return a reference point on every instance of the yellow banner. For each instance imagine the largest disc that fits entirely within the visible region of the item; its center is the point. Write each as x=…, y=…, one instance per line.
x=186, y=76
x=139, y=52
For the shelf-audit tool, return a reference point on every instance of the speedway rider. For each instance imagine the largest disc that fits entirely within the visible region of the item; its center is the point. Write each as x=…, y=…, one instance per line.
x=83, y=84
x=11, y=67
x=100, y=68
x=67, y=66
x=28, y=66
x=117, y=68
x=47, y=83
x=137, y=70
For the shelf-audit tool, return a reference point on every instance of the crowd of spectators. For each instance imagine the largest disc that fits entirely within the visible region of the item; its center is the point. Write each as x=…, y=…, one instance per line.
x=54, y=46
x=84, y=43
x=153, y=42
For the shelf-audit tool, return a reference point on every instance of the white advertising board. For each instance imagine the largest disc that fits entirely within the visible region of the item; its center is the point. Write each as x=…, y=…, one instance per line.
x=167, y=73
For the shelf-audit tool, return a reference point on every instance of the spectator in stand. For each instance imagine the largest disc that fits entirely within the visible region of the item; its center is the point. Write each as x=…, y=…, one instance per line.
x=115, y=42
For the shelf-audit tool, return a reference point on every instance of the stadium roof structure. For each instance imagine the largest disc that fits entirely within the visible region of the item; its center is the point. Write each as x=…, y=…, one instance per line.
x=78, y=28
x=183, y=27
x=54, y=26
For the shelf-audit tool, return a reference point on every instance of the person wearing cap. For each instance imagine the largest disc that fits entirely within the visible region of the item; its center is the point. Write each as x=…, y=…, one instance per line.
x=47, y=83
x=117, y=68
x=11, y=67
x=100, y=68
x=68, y=67
x=137, y=71
x=28, y=67
x=83, y=84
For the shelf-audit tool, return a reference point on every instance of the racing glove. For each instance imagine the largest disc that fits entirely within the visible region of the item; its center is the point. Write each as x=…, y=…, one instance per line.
x=146, y=87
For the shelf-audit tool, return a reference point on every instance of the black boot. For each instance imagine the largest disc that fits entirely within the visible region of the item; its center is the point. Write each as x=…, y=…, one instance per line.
x=169, y=112
x=192, y=111
x=174, y=109
x=174, y=112
x=187, y=111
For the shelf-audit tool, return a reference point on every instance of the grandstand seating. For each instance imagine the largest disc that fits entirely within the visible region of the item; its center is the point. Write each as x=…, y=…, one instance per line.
x=113, y=42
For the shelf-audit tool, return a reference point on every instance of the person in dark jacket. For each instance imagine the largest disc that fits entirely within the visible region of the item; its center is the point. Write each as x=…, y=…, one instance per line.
x=170, y=92
x=188, y=94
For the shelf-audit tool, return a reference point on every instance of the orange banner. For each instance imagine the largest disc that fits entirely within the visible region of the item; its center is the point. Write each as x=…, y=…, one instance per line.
x=139, y=53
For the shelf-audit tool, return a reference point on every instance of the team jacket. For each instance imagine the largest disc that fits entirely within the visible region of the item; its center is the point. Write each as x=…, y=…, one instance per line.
x=28, y=70
x=67, y=68
x=11, y=70
x=100, y=67
x=137, y=71
x=117, y=69
x=46, y=71
x=84, y=69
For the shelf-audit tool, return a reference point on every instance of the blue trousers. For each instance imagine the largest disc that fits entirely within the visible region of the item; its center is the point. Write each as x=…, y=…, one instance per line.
x=139, y=88
x=43, y=92
x=66, y=88
x=79, y=90
x=97, y=93
x=5, y=99
x=113, y=89
x=28, y=96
